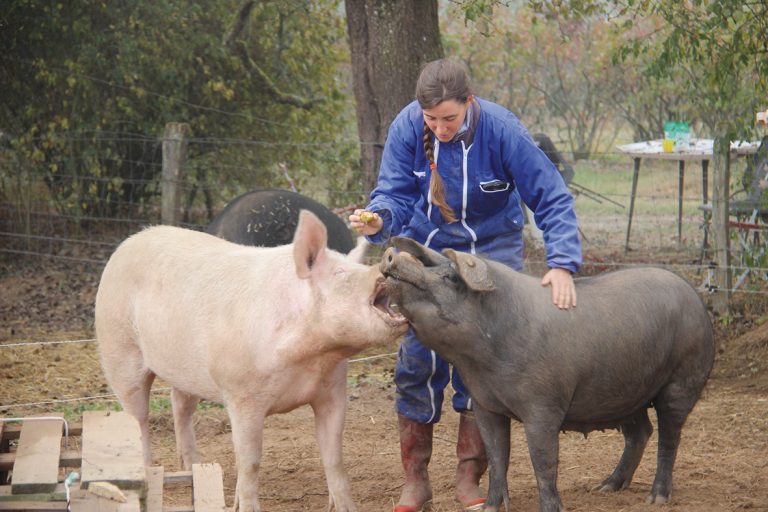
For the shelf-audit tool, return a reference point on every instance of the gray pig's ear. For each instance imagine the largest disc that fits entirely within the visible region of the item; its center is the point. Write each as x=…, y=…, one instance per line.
x=309, y=243
x=424, y=254
x=473, y=270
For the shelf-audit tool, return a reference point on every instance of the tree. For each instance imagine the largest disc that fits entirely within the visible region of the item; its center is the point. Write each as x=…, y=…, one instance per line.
x=88, y=87
x=721, y=48
x=567, y=65
x=704, y=62
x=554, y=73
x=718, y=48
x=390, y=41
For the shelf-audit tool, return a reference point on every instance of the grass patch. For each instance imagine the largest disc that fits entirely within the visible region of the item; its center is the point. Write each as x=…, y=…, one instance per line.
x=157, y=404
x=74, y=411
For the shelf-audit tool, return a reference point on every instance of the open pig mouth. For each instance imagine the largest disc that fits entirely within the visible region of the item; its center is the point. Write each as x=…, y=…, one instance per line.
x=382, y=302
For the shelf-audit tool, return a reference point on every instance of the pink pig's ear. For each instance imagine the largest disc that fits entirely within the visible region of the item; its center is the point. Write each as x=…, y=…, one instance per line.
x=309, y=243
x=357, y=255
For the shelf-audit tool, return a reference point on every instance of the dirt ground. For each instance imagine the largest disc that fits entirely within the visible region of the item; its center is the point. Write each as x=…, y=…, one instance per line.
x=722, y=463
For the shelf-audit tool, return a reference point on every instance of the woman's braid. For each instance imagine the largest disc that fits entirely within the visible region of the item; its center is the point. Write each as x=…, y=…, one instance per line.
x=436, y=188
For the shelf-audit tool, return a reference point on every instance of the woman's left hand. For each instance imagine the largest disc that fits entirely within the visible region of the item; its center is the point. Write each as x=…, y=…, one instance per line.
x=563, y=289
x=366, y=227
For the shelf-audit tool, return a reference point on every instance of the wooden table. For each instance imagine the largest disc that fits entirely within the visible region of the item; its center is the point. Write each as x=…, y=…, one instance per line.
x=699, y=150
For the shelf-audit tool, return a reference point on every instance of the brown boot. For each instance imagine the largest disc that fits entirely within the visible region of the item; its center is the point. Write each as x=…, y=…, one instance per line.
x=415, y=451
x=472, y=463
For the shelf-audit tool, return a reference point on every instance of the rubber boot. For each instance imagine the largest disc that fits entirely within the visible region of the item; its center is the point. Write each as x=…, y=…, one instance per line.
x=472, y=463
x=415, y=451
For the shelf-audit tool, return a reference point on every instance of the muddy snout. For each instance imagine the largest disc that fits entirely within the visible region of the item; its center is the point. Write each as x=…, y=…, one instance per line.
x=387, y=261
x=401, y=268
x=397, y=264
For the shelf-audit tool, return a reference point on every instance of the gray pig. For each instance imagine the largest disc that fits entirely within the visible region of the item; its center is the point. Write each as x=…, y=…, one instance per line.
x=267, y=217
x=639, y=338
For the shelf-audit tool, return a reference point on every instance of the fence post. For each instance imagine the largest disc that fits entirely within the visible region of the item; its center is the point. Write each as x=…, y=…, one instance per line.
x=720, y=214
x=174, y=159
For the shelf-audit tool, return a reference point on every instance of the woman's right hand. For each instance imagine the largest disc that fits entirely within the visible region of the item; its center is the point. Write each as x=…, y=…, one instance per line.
x=369, y=228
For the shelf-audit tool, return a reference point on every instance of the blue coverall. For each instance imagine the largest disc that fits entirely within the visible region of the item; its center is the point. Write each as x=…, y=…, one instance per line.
x=487, y=169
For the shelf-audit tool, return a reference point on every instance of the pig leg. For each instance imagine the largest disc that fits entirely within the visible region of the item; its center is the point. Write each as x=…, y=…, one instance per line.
x=673, y=404
x=636, y=434
x=542, y=434
x=330, y=411
x=669, y=440
x=131, y=381
x=184, y=405
x=495, y=431
x=247, y=418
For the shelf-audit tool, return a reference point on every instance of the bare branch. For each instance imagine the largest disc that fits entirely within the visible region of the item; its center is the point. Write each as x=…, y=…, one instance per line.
x=239, y=24
x=239, y=48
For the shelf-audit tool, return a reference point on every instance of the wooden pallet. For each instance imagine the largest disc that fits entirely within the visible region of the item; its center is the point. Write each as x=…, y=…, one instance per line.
x=109, y=450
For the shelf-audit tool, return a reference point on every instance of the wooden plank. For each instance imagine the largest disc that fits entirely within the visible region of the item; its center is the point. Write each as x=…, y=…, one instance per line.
x=68, y=458
x=11, y=431
x=58, y=494
x=176, y=477
x=36, y=468
x=154, y=501
x=34, y=505
x=207, y=487
x=5, y=446
x=87, y=502
x=112, y=450
x=133, y=504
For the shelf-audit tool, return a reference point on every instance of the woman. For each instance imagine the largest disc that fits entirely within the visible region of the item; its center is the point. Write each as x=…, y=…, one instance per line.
x=453, y=173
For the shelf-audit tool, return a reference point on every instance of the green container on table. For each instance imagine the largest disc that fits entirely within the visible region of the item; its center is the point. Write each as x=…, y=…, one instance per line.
x=682, y=135
x=670, y=132
x=677, y=136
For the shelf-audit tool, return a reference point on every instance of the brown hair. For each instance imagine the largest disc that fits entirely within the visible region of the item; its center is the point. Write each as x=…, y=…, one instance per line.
x=439, y=81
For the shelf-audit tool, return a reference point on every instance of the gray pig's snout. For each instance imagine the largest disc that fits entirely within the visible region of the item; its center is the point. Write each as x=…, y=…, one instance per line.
x=388, y=260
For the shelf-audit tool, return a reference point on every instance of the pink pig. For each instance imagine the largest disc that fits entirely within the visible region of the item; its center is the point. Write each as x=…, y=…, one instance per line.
x=261, y=330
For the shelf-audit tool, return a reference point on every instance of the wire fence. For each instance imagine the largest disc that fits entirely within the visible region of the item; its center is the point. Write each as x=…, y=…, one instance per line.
x=39, y=221
x=52, y=404
x=50, y=214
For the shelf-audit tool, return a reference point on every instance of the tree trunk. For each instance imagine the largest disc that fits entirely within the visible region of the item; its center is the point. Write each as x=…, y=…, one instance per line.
x=390, y=41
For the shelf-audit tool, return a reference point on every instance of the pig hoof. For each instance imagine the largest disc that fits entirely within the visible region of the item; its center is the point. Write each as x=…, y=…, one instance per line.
x=475, y=505
x=426, y=507
x=611, y=485
x=243, y=506
x=657, y=499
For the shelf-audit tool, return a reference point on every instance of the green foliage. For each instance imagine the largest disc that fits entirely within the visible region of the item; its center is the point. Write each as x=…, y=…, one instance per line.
x=714, y=51
x=473, y=11
x=88, y=87
x=554, y=73
x=703, y=62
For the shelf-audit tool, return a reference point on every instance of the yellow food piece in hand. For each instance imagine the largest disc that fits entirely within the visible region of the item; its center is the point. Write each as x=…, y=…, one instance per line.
x=366, y=217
